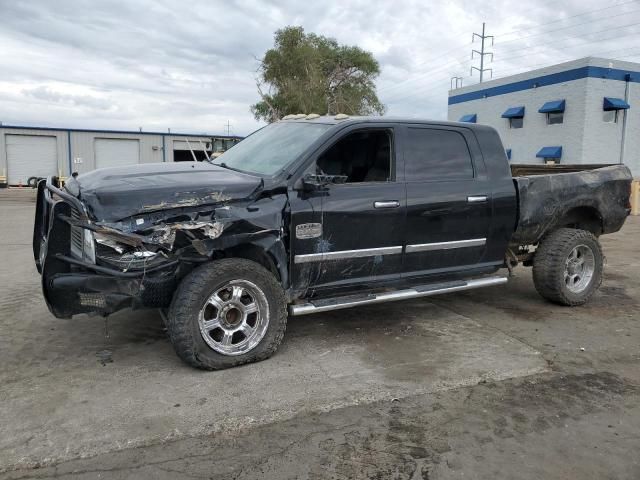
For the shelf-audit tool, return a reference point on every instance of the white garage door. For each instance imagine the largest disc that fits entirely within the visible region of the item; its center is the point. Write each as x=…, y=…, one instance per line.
x=195, y=145
x=116, y=152
x=30, y=156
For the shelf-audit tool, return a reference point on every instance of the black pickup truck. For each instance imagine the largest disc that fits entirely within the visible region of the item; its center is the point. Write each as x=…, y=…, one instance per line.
x=311, y=214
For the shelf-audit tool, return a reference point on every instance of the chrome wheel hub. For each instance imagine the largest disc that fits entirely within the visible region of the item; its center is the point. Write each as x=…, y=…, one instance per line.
x=579, y=268
x=234, y=319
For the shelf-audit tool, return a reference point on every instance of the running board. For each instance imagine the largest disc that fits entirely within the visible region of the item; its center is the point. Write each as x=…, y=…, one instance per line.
x=338, y=303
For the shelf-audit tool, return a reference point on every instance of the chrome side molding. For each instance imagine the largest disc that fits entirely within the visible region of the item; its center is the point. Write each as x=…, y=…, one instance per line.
x=425, y=247
x=417, y=292
x=386, y=204
x=342, y=254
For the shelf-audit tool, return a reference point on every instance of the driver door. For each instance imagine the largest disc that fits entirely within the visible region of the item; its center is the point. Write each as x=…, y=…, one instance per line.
x=358, y=239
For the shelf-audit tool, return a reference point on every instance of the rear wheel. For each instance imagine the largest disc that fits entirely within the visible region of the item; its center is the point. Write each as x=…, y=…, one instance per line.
x=227, y=313
x=567, y=266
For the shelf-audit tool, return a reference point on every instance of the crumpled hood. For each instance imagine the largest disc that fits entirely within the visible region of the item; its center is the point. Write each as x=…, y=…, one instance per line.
x=113, y=194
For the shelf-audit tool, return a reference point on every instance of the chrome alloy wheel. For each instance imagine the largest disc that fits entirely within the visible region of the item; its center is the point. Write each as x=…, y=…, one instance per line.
x=579, y=268
x=234, y=319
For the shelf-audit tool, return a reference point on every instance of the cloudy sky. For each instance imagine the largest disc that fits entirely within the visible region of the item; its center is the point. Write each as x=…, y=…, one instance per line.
x=191, y=66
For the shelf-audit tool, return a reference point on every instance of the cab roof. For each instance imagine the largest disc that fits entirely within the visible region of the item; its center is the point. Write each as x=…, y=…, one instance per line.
x=345, y=120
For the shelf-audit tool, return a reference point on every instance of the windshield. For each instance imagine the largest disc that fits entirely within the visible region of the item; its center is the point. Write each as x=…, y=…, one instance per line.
x=273, y=147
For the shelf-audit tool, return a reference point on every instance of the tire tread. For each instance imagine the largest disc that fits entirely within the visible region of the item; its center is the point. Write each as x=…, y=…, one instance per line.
x=549, y=263
x=186, y=304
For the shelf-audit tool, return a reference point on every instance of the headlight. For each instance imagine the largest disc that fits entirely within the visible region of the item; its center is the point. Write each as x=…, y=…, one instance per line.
x=123, y=256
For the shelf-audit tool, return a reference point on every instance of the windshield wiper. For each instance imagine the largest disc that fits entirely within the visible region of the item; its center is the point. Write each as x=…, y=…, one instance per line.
x=224, y=165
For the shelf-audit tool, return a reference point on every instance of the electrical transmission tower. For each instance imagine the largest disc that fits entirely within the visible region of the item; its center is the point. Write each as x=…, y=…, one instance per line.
x=481, y=53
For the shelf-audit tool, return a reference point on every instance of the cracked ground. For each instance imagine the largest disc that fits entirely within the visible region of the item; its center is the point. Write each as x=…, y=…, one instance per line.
x=485, y=384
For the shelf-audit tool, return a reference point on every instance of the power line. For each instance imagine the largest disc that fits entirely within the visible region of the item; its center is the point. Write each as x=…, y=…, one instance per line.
x=635, y=54
x=511, y=32
x=428, y=61
x=555, y=42
x=528, y=67
x=569, y=26
x=513, y=57
x=446, y=65
x=598, y=40
x=422, y=92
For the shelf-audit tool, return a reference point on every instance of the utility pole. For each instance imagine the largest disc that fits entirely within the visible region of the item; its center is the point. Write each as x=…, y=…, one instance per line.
x=481, y=53
x=228, y=127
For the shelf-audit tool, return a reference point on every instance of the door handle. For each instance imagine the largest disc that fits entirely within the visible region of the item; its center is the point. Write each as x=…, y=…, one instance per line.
x=386, y=204
x=477, y=199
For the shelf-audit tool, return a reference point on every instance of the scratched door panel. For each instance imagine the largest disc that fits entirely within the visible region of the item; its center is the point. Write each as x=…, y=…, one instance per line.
x=359, y=242
x=305, y=210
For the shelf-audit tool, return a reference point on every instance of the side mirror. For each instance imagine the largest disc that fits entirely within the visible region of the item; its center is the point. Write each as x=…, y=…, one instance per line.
x=313, y=182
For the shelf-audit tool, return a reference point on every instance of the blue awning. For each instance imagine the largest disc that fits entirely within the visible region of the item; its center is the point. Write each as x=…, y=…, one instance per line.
x=553, y=107
x=514, y=112
x=470, y=118
x=550, y=152
x=611, y=103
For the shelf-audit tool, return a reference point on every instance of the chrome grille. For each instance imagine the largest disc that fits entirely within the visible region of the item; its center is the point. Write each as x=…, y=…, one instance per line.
x=76, y=235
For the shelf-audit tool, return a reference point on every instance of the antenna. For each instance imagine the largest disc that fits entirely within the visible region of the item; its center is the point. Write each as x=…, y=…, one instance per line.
x=227, y=126
x=481, y=53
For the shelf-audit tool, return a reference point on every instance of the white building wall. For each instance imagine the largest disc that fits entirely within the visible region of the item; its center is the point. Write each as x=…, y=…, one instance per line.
x=632, y=143
x=584, y=136
x=602, y=140
x=525, y=142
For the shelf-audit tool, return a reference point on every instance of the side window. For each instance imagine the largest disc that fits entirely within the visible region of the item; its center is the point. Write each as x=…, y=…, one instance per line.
x=610, y=116
x=555, y=118
x=516, y=122
x=363, y=156
x=432, y=154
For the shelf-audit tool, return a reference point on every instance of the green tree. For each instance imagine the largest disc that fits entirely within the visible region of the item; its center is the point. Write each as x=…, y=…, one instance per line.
x=309, y=73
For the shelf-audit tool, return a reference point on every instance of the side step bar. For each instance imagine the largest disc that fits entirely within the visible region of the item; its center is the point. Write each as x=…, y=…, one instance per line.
x=338, y=303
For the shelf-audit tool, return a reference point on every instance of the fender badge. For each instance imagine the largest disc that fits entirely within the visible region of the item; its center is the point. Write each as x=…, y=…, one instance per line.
x=308, y=230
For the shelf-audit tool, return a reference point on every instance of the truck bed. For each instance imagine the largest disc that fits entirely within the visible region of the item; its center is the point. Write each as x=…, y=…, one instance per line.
x=597, y=198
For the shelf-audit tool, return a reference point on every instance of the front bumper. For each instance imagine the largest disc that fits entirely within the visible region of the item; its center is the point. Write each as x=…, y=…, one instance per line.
x=72, y=285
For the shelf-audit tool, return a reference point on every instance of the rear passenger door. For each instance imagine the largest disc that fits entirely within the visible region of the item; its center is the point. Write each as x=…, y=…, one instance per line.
x=448, y=201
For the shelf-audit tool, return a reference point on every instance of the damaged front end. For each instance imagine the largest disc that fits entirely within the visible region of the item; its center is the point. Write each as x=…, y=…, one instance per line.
x=102, y=266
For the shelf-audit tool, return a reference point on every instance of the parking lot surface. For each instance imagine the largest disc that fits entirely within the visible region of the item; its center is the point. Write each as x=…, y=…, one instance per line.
x=436, y=388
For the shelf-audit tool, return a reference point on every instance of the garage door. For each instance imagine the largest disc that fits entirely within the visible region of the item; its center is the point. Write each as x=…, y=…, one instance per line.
x=116, y=152
x=30, y=156
x=195, y=145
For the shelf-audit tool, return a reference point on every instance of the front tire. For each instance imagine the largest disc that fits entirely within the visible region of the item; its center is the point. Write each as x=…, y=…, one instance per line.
x=567, y=266
x=227, y=313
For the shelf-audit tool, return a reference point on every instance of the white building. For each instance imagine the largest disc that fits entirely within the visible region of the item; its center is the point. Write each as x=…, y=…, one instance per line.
x=39, y=152
x=584, y=111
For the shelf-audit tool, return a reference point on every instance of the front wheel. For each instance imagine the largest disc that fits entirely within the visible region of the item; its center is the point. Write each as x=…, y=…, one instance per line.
x=567, y=266
x=226, y=313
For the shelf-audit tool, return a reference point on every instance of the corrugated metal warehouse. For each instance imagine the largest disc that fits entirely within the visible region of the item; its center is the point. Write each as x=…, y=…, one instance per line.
x=38, y=152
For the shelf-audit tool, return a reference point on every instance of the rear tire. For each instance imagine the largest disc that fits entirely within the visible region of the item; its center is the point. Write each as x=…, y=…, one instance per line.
x=567, y=266
x=227, y=313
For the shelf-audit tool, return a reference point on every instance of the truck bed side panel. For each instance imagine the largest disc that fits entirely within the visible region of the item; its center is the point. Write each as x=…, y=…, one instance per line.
x=545, y=200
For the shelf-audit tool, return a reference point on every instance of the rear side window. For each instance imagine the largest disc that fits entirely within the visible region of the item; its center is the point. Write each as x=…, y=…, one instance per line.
x=432, y=154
